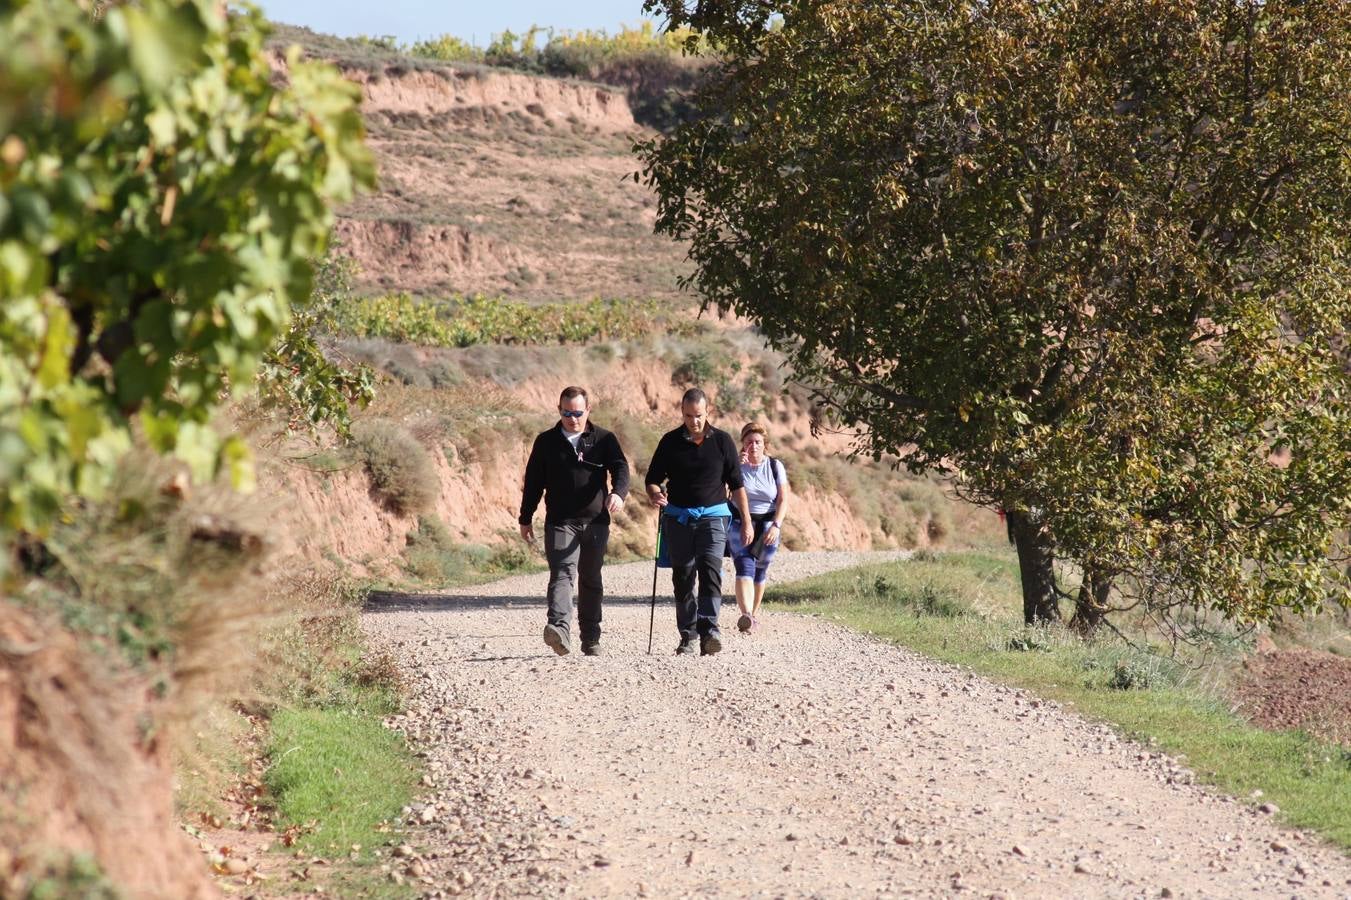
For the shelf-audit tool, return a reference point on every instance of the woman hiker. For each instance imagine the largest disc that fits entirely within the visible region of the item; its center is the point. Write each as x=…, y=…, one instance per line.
x=766, y=484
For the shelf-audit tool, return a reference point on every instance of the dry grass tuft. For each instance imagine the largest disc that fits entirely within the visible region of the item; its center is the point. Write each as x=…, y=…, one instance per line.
x=401, y=471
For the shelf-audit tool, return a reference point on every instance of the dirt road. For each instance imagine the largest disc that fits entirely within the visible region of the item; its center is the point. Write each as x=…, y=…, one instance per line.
x=804, y=761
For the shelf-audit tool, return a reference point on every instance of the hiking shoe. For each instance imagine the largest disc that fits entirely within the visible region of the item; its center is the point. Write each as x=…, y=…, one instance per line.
x=710, y=644
x=591, y=648
x=557, y=639
x=686, y=648
x=744, y=623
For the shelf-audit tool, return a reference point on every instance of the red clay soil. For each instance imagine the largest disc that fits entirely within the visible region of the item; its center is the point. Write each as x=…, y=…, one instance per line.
x=82, y=773
x=1306, y=689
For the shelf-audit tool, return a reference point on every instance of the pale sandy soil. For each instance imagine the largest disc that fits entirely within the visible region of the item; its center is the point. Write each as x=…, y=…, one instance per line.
x=804, y=761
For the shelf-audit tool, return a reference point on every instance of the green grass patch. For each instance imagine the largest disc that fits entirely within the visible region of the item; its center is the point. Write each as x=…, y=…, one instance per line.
x=341, y=774
x=964, y=608
x=334, y=771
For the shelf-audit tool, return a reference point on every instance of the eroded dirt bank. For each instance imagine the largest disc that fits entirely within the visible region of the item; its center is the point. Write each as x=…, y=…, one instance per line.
x=806, y=760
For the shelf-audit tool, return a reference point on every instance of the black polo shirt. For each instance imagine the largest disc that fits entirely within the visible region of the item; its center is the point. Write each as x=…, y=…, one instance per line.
x=696, y=474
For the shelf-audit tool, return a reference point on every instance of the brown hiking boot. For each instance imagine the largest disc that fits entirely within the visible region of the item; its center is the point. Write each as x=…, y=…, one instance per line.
x=710, y=644
x=557, y=639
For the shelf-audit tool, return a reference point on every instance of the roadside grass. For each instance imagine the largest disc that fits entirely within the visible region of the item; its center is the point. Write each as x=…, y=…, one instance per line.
x=340, y=775
x=334, y=776
x=964, y=608
x=337, y=778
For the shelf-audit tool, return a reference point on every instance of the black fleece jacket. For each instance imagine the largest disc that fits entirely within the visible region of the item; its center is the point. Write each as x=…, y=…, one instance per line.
x=573, y=482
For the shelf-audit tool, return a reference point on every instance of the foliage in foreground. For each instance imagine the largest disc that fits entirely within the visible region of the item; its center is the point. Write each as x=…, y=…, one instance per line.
x=964, y=608
x=1104, y=282
x=161, y=200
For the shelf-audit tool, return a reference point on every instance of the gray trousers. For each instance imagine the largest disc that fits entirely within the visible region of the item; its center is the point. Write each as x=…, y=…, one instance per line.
x=696, y=556
x=576, y=554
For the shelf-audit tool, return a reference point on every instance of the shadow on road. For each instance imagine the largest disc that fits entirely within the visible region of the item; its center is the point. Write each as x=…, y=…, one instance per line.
x=392, y=601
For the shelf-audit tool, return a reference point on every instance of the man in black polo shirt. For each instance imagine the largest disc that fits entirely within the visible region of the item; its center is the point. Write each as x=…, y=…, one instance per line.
x=568, y=465
x=702, y=468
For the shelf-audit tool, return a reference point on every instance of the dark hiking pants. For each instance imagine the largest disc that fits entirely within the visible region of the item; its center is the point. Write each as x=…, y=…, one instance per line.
x=576, y=554
x=696, y=555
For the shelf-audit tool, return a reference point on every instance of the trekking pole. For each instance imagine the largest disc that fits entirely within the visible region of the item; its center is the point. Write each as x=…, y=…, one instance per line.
x=652, y=618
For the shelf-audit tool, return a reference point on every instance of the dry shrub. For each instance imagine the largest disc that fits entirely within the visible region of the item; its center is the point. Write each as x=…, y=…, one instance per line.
x=171, y=575
x=379, y=668
x=401, y=471
x=316, y=655
x=633, y=530
x=163, y=581
x=84, y=774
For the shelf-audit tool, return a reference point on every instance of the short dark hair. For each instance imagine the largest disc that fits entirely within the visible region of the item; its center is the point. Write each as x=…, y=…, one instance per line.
x=694, y=395
x=573, y=391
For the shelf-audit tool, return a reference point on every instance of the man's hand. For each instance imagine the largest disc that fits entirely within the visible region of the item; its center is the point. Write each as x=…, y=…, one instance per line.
x=656, y=496
x=528, y=534
x=747, y=533
x=614, y=504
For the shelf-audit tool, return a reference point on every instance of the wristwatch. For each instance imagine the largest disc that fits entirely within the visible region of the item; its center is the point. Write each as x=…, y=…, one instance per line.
x=776, y=525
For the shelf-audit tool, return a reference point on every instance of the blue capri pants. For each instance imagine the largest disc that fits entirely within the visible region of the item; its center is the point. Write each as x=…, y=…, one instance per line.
x=747, y=565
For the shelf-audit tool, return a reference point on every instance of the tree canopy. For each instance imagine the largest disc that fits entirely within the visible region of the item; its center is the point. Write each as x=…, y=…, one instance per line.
x=1093, y=260
x=161, y=196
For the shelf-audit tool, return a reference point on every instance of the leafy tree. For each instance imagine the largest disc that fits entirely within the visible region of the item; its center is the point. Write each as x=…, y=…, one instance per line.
x=160, y=197
x=1092, y=259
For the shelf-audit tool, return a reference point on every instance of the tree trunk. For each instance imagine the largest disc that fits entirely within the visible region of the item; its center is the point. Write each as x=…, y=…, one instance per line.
x=1091, y=605
x=1035, y=566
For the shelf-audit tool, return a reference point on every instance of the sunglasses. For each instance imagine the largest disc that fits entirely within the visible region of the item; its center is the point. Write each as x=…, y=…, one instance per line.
x=573, y=413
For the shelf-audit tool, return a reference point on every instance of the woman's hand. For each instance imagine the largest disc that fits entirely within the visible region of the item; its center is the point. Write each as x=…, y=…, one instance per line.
x=772, y=535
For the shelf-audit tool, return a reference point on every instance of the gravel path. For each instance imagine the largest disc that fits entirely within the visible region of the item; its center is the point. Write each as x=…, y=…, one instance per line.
x=804, y=761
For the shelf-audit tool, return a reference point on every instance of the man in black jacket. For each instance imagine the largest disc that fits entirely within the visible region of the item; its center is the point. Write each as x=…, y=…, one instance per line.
x=568, y=466
x=701, y=466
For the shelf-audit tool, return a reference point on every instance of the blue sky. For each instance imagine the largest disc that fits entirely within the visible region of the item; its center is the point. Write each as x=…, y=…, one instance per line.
x=409, y=20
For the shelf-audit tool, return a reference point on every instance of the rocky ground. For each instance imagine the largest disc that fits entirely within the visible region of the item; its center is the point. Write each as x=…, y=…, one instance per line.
x=805, y=760
x=1307, y=689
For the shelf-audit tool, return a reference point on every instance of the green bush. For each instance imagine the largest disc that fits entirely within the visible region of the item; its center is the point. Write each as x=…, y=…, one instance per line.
x=1128, y=669
x=400, y=469
x=446, y=48
x=1029, y=641
x=433, y=556
x=510, y=556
